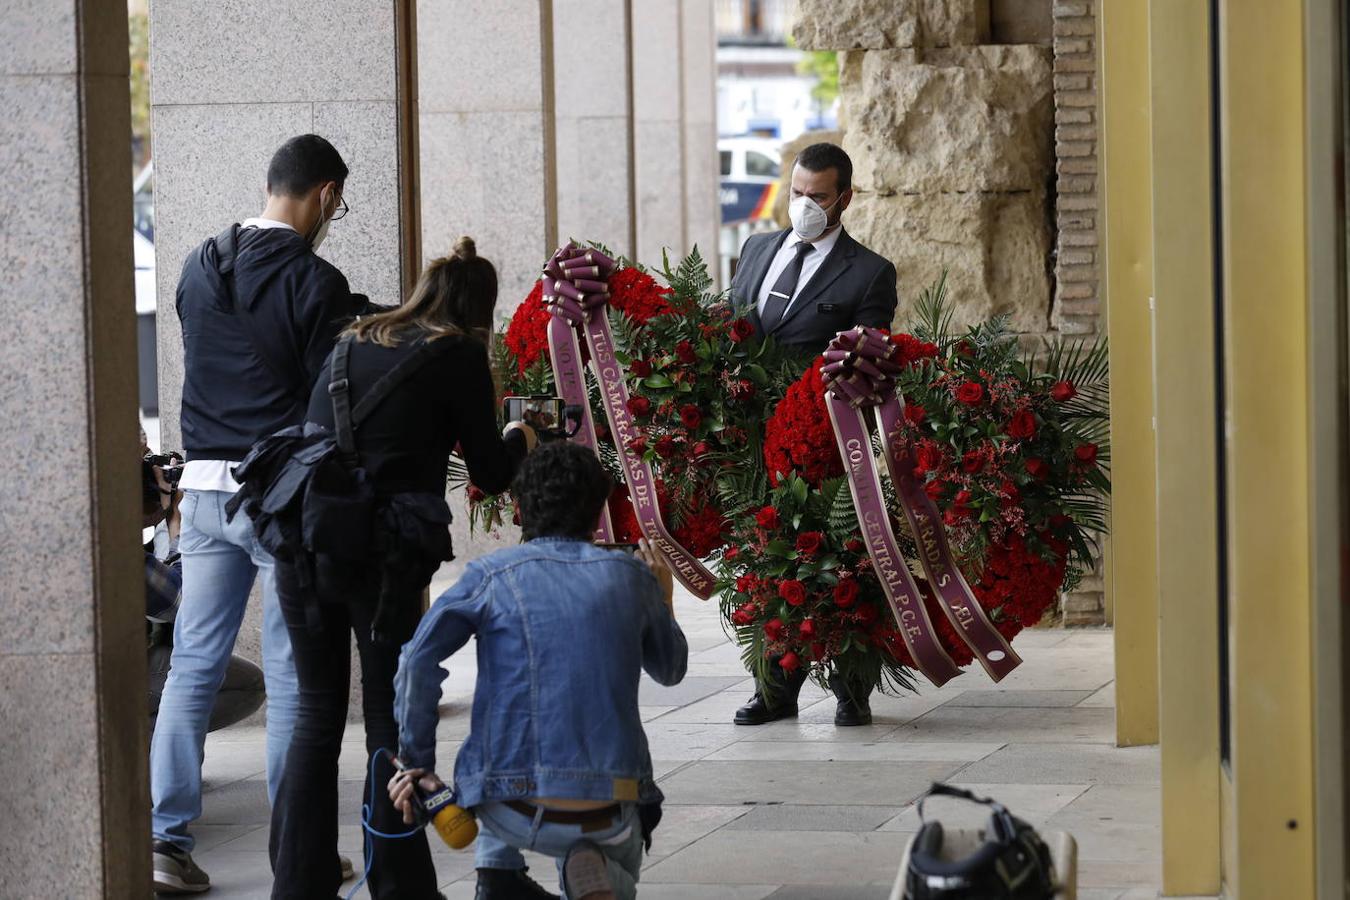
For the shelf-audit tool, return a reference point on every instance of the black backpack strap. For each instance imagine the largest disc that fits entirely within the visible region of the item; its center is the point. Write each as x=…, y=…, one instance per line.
x=285, y=370
x=339, y=388
x=391, y=379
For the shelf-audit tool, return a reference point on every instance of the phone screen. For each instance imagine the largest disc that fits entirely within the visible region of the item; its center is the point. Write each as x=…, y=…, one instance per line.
x=627, y=548
x=540, y=412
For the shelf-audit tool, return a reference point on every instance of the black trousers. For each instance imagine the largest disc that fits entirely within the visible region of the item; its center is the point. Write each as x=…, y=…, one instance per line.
x=303, y=844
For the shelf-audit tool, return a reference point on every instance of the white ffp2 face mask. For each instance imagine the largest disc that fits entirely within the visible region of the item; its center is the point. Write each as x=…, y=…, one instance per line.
x=809, y=220
x=321, y=231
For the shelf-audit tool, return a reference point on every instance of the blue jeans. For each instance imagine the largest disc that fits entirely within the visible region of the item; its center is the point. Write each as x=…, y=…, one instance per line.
x=503, y=833
x=220, y=561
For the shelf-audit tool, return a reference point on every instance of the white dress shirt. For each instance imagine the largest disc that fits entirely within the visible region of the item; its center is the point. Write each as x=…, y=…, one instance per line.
x=214, y=474
x=810, y=265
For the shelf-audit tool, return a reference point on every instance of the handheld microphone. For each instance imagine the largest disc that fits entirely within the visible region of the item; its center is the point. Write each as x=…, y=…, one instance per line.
x=453, y=823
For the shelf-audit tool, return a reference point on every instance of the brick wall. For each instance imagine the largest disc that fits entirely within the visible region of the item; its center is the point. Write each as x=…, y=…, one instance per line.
x=1075, y=309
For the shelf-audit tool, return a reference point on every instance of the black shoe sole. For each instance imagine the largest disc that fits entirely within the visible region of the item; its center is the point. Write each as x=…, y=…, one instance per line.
x=765, y=720
x=851, y=723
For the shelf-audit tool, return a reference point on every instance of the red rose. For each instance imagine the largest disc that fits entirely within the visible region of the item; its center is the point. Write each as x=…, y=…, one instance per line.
x=793, y=591
x=808, y=542
x=767, y=518
x=929, y=458
x=915, y=415
x=845, y=593
x=933, y=489
x=807, y=630
x=972, y=461
x=640, y=367
x=970, y=393
x=691, y=416
x=638, y=444
x=1022, y=425
x=731, y=552
x=685, y=351
x=743, y=615
x=747, y=583
x=773, y=629
x=854, y=545
x=867, y=614
x=665, y=447
x=1037, y=468
x=741, y=329
x=1086, y=453
x=962, y=498
x=1063, y=391
x=702, y=448
x=952, y=518
x=639, y=406
x=789, y=662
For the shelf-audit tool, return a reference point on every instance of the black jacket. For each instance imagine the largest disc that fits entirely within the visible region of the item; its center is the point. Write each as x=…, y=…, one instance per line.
x=298, y=301
x=853, y=286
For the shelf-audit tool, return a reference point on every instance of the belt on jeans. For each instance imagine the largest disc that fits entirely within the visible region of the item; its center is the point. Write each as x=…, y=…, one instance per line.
x=589, y=819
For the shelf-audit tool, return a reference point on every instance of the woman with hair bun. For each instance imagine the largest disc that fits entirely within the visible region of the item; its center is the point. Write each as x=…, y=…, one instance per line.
x=442, y=396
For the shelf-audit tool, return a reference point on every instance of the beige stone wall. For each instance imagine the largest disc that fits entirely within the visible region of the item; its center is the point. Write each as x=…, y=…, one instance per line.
x=972, y=127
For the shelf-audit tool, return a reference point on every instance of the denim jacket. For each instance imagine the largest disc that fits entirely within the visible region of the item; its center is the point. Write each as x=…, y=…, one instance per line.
x=564, y=630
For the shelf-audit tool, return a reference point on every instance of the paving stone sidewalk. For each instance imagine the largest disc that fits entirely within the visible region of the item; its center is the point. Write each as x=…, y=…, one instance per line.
x=799, y=809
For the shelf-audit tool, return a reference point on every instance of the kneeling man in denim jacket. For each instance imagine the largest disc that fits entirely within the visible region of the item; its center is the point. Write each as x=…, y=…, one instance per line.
x=556, y=760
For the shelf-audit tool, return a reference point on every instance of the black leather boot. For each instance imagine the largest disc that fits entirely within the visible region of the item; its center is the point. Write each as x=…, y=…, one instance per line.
x=774, y=699
x=509, y=884
x=853, y=708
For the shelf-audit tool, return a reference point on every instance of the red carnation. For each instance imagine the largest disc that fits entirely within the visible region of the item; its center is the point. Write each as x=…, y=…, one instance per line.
x=665, y=447
x=1063, y=391
x=807, y=630
x=773, y=629
x=638, y=295
x=972, y=461
x=638, y=444
x=639, y=406
x=952, y=518
x=743, y=615
x=691, y=416
x=970, y=393
x=767, y=518
x=741, y=329
x=685, y=351
x=1037, y=468
x=747, y=583
x=640, y=367
x=1022, y=425
x=793, y=591
x=915, y=415
x=1086, y=453
x=962, y=498
x=933, y=489
x=798, y=438
x=808, y=542
x=731, y=552
x=845, y=593
x=789, y=662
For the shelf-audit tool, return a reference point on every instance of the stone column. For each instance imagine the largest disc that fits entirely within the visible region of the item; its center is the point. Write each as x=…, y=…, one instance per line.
x=702, y=209
x=485, y=76
x=659, y=140
x=72, y=595
x=230, y=84
x=593, y=99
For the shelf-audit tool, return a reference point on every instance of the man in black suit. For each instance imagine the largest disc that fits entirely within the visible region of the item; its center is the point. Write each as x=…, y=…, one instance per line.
x=802, y=286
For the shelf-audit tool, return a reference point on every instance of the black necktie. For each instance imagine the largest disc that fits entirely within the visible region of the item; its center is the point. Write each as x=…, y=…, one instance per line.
x=783, y=289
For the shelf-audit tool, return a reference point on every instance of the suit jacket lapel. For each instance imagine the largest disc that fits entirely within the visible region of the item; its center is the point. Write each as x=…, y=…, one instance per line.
x=836, y=264
x=756, y=279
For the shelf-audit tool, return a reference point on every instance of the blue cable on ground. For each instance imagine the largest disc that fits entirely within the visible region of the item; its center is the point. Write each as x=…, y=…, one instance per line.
x=367, y=810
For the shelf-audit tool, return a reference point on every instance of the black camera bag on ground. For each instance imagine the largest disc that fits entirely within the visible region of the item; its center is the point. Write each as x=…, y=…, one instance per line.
x=313, y=505
x=1013, y=863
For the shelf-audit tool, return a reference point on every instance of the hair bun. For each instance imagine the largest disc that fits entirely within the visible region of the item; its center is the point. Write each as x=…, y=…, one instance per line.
x=464, y=249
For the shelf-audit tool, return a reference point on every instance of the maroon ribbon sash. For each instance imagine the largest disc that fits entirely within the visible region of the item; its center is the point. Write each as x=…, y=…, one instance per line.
x=860, y=372
x=577, y=294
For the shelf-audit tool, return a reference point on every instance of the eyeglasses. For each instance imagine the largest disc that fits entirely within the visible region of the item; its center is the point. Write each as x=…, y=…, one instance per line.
x=342, y=209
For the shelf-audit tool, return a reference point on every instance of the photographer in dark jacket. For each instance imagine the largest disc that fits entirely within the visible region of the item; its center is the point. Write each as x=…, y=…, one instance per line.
x=258, y=319
x=430, y=356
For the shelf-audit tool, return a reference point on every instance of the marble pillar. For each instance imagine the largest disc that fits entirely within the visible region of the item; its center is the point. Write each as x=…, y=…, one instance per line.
x=72, y=594
x=592, y=90
x=231, y=82
x=658, y=130
x=702, y=208
x=485, y=82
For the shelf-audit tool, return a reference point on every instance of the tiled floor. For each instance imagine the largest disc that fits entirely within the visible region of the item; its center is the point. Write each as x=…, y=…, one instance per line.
x=802, y=809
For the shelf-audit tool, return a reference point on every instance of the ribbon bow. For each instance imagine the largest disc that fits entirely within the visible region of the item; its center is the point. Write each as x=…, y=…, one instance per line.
x=860, y=374
x=575, y=284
